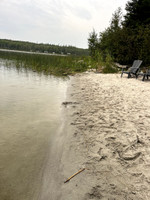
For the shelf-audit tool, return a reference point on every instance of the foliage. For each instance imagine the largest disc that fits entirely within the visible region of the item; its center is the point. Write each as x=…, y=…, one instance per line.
x=128, y=39
x=47, y=48
x=109, y=65
x=138, y=13
x=93, y=43
x=109, y=69
x=116, y=20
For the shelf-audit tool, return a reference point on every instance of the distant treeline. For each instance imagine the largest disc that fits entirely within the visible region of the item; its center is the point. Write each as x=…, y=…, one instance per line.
x=126, y=39
x=42, y=48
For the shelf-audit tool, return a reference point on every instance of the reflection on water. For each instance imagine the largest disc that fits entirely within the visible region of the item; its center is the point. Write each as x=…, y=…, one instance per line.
x=30, y=113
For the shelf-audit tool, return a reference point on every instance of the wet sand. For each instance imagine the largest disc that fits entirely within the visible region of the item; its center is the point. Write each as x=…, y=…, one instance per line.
x=107, y=132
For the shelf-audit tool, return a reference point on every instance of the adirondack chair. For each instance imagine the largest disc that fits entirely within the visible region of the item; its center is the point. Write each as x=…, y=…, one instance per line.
x=145, y=75
x=134, y=69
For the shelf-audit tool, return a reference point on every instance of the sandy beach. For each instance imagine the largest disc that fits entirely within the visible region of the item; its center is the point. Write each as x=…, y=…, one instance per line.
x=107, y=132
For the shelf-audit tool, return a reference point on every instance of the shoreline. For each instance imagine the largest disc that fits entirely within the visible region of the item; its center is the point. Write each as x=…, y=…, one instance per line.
x=107, y=134
x=52, y=177
x=31, y=52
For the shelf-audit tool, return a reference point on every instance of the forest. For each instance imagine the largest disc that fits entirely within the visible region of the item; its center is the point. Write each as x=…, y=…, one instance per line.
x=127, y=38
x=42, y=48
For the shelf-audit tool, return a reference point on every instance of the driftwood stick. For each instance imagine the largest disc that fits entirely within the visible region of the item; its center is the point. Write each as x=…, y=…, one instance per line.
x=81, y=170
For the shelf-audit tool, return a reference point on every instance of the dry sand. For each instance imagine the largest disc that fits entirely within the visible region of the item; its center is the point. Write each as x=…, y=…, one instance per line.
x=108, y=133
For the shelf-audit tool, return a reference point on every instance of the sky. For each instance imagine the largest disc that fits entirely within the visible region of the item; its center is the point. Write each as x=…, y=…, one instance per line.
x=60, y=22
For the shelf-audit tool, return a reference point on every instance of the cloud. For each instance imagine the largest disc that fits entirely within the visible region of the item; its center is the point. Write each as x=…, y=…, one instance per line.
x=55, y=21
x=77, y=9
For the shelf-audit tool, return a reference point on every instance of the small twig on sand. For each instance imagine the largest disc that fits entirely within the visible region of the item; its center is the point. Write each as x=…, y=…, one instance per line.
x=81, y=170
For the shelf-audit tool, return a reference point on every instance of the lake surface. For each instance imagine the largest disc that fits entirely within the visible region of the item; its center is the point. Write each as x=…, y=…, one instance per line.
x=30, y=115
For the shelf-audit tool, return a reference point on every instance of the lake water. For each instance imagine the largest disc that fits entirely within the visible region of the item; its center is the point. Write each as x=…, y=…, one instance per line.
x=30, y=115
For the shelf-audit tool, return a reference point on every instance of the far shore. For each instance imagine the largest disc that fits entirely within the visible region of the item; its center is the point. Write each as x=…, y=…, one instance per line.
x=30, y=52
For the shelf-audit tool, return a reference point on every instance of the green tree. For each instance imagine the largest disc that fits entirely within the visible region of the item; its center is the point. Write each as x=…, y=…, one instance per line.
x=93, y=43
x=138, y=13
x=126, y=40
x=109, y=38
x=116, y=21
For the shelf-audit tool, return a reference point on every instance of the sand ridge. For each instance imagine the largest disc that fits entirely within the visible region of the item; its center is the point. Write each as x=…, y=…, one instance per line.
x=108, y=133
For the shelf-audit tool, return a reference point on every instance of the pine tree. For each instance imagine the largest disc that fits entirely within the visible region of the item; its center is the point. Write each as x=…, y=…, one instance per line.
x=93, y=43
x=138, y=13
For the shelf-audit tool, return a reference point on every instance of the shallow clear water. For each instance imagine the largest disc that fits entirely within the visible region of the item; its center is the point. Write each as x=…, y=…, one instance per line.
x=30, y=114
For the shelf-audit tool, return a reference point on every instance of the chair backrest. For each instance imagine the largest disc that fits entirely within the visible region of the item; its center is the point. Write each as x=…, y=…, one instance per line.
x=135, y=67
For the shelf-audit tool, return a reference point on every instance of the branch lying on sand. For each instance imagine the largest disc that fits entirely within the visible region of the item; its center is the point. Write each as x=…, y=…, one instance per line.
x=74, y=175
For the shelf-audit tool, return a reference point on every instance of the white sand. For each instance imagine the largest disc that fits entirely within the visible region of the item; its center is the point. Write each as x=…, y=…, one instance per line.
x=108, y=133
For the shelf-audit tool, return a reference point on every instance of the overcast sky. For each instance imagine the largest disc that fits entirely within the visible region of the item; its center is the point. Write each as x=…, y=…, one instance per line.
x=63, y=22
